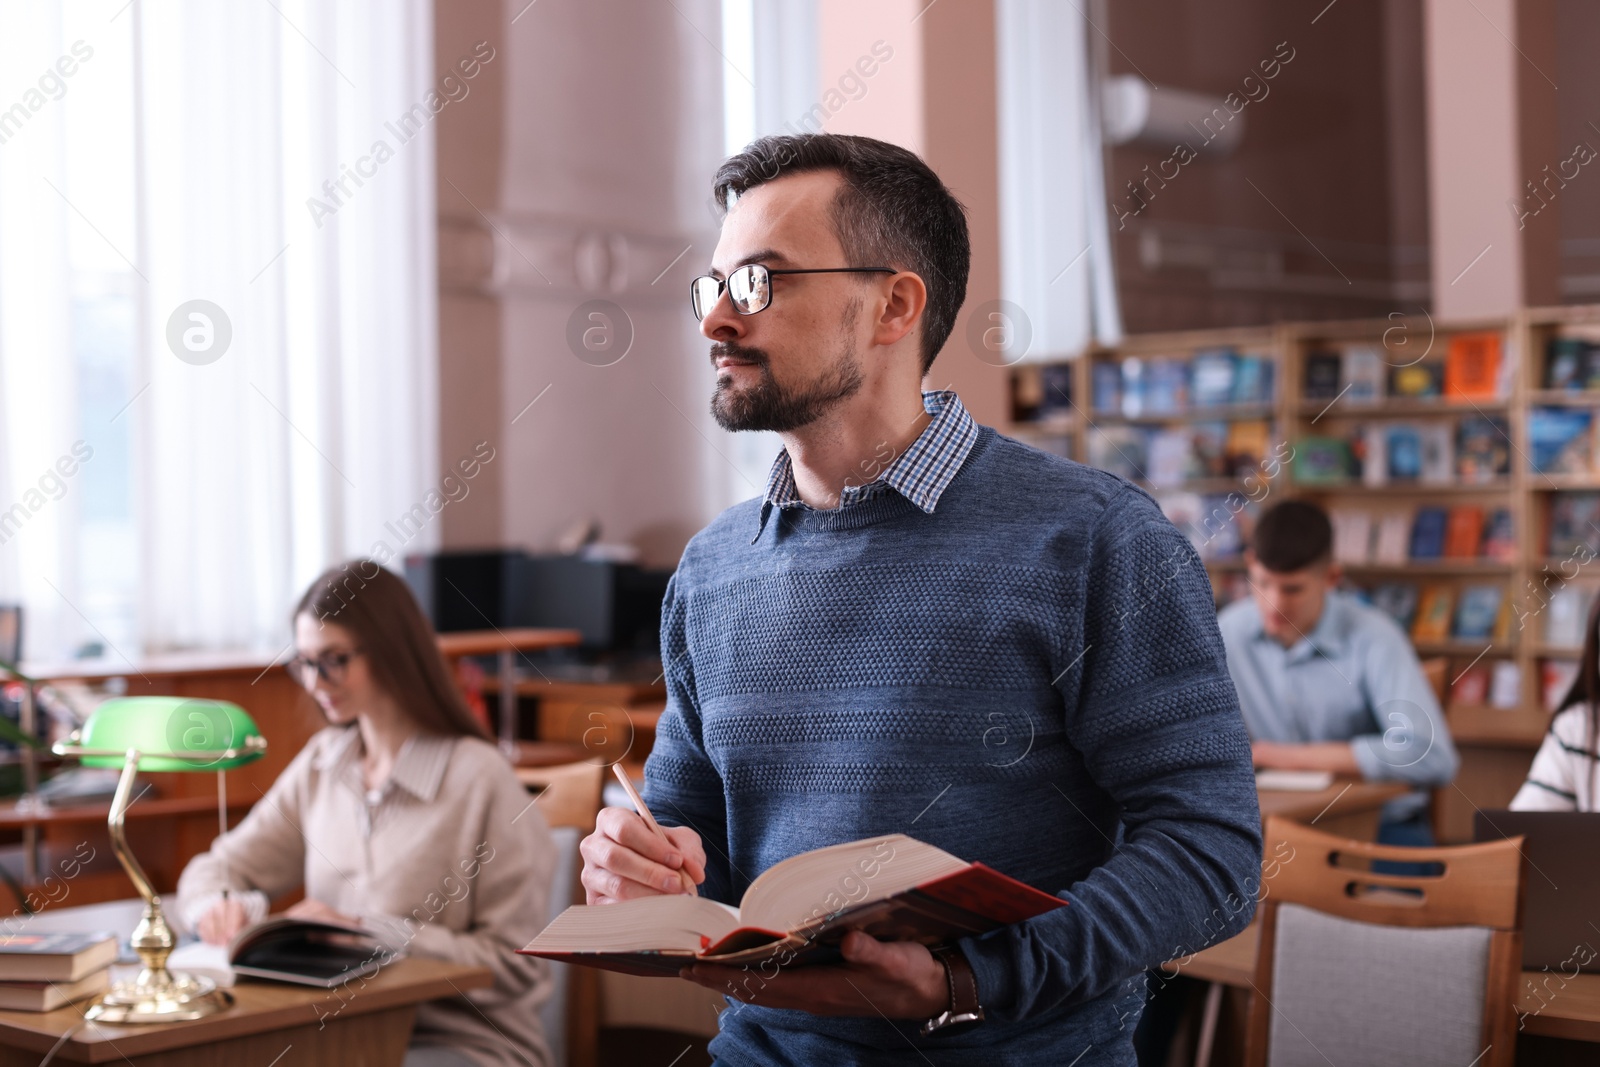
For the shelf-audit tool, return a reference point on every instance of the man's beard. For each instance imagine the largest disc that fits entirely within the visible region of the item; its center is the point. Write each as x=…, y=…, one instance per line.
x=768, y=406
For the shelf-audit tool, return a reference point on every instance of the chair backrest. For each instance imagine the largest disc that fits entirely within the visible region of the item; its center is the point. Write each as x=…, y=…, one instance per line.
x=568, y=793
x=553, y=1013
x=1357, y=966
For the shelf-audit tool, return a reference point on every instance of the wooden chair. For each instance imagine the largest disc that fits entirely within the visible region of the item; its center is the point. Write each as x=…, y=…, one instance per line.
x=568, y=795
x=1357, y=967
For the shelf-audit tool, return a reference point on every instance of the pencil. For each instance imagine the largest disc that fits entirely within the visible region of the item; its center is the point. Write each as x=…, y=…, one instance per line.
x=650, y=821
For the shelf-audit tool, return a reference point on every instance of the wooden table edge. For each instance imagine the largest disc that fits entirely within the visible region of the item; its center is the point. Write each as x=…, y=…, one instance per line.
x=97, y=1043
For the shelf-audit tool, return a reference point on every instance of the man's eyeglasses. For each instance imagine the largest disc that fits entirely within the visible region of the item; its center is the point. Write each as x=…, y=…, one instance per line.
x=750, y=287
x=330, y=667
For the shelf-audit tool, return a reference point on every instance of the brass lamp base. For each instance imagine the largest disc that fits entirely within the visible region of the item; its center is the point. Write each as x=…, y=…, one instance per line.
x=160, y=997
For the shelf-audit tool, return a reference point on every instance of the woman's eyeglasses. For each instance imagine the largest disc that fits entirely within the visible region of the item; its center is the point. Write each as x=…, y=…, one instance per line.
x=750, y=287
x=330, y=667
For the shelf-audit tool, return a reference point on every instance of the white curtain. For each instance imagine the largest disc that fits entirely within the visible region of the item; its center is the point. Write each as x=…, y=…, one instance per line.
x=1055, y=248
x=268, y=180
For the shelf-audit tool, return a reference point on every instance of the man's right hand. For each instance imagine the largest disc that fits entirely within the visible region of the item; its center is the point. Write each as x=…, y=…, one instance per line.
x=624, y=860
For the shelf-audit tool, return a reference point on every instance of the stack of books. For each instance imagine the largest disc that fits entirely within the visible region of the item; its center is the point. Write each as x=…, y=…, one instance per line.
x=1172, y=385
x=1472, y=369
x=42, y=972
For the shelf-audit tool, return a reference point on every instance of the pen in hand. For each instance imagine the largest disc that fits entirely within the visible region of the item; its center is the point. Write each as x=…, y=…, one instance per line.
x=650, y=821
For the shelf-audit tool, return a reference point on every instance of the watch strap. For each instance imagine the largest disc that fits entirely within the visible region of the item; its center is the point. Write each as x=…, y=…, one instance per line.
x=965, y=1011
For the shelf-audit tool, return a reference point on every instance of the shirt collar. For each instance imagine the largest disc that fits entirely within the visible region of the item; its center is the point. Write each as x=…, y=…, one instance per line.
x=418, y=769
x=921, y=473
x=1326, y=638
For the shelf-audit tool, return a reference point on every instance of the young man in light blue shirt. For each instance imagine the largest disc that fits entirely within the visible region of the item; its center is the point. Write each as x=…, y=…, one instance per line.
x=1326, y=682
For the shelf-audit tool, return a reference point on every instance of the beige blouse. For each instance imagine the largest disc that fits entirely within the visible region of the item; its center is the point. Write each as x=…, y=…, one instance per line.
x=448, y=860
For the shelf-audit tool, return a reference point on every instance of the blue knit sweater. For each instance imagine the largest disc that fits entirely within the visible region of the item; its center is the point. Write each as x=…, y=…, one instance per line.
x=1031, y=677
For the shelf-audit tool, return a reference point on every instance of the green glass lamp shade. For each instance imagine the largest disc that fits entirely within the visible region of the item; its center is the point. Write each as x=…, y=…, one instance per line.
x=167, y=727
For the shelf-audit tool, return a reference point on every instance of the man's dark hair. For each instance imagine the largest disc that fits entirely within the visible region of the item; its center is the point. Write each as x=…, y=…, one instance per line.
x=1292, y=536
x=892, y=211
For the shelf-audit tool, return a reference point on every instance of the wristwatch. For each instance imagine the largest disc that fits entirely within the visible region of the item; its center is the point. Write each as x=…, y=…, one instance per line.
x=964, y=1012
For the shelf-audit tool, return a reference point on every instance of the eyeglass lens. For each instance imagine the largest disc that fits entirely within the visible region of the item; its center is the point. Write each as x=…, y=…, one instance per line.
x=749, y=290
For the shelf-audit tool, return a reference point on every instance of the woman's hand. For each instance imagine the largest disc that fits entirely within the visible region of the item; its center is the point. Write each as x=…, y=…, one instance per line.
x=317, y=911
x=221, y=921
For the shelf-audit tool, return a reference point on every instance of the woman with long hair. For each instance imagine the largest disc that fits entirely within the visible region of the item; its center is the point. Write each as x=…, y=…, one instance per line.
x=400, y=817
x=1565, y=775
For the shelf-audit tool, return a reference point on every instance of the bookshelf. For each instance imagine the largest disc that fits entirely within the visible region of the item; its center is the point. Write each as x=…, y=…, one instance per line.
x=1521, y=448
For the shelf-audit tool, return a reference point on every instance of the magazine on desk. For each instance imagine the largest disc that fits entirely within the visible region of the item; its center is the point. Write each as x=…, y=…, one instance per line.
x=796, y=912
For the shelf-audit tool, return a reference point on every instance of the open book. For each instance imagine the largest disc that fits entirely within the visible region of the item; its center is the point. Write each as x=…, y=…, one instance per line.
x=796, y=912
x=303, y=951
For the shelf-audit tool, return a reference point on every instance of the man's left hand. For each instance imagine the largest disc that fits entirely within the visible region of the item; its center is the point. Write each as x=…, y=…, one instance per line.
x=897, y=979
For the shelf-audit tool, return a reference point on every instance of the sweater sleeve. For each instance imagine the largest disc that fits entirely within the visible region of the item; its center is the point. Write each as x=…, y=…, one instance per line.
x=1152, y=710
x=681, y=785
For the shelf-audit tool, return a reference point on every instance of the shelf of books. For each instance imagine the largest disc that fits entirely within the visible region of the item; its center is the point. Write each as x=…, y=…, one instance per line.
x=1459, y=462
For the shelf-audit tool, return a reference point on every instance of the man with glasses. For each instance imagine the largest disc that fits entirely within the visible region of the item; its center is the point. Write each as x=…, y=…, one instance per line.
x=924, y=627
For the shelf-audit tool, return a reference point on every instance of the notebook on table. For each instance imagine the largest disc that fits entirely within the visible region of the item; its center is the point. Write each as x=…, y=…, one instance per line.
x=1560, y=916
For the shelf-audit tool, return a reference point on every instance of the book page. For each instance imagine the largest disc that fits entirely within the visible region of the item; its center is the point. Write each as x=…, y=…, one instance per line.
x=797, y=891
x=649, y=924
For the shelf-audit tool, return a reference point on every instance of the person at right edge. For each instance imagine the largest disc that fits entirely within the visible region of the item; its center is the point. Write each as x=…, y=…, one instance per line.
x=925, y=627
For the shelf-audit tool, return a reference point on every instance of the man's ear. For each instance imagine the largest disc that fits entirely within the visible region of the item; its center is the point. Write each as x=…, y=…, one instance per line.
x=902, y=310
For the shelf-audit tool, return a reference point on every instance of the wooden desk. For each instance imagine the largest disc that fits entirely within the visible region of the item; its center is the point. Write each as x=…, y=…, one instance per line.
x=1347, y=808
x=368, y=1023
x=1568, y=1008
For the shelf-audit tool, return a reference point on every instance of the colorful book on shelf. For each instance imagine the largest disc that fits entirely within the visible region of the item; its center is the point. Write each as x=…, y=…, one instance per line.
x=1566, y=363
x=1393, y=543
x=1463, y=533
x=1472, y=366
x=1322, y=373
x=1322, y=461
x=1559, y=440
x=1122, y=450
x=1477, y=613
x=1403, y=451
x=1133, y=386
x=1435, y=606
x=55, y=957
x=1428, y=533
x=1166, y=390
x=1471, y=686
x=1253, y=380
x=1352, y=535
x=1555, y=680
x=1398, y=600
x=1438, y=453
x=1483, y=449
x=1574, y=524
x=1500, y=536
x=1416, y=381
x=1105, y=387
x=1212, y=377
x=1505, y=685
x=1363, y=374
x=1565, y=614
x=1373, y=445
x=1211, y=448
x=1171, y=457
x=794, y=915
x=1247, y=444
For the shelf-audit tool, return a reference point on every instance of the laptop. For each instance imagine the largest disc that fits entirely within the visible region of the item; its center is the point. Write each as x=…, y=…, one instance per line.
x=1561, y=884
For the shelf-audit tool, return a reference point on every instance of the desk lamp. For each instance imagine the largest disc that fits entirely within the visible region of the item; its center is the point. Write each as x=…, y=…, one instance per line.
x=159, y=734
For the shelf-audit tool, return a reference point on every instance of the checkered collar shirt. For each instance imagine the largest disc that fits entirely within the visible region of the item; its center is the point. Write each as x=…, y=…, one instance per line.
x=921, y=473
